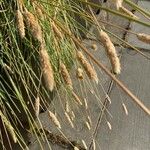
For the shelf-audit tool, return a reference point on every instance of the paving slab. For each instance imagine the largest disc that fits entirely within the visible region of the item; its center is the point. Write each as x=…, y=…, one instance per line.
x=137, y=28
x=130, y=132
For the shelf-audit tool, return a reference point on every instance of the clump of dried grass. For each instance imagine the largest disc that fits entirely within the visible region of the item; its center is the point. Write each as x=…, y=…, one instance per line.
x=66, y=76
x=144, y=37
x=20, y=24
x=33, y=25
x=88, y=68
x=111, y=52
x=46, y=68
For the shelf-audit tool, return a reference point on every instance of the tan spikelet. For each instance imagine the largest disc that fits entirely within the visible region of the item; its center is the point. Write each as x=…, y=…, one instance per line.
x=127, y=12
x=94, y=144
x=84, y=144
x=8, y=68
x=111, y=52
x=94, y=46
x=38, y=9
x=125, y=109
x=76, y=148
x=9, y=127
x=20, y=24
x=37, y=106
x=88, y=125
x=33, y=25
x=85, y=103
x=72, y=115
x=108, y=98
x=89, y=120
x=54, y=119
x=67, y=109
x=46, y=68
x=66, y=75
x=77, y=99
x=118, y=3
x=109, y=125
x=56, y=30
x=79, y=73
x=88, y=68
x=69, y=119
x=144, y=37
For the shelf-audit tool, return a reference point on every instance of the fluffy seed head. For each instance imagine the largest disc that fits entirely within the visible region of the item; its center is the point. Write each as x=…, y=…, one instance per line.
x=20, y=24
x=34, y=26
x=144, y=37
x=66, y=76
x=88, y=68
x=111, y=52
x=46, y=68
x=54, y=119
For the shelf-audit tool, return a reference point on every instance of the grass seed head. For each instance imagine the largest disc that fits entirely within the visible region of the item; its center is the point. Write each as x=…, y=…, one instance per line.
x=125, y=109
x=94, y=46
x=84, y=144
x=46, y=68
x=54, y=119
x=144, y=37
x=127, y=12
x=94, y=144
x=37, y=106
x=69, y=119
x=111, y=52
x=77, y=99
x=57, y=31
x=66, y=76
x=88, y=68
x=9, y=127
x=109, y=125
x=76, y=148
x=88, y=125
x=118, y=3
x=20, y=24
x=85, y=103
x=79, y=73
x=33, y=25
